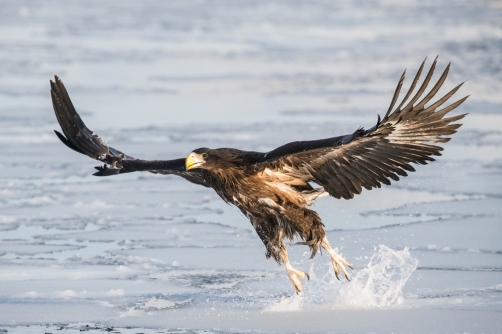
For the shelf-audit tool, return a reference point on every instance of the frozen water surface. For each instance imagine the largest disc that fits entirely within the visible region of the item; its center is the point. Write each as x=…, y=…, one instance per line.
x=144, y=253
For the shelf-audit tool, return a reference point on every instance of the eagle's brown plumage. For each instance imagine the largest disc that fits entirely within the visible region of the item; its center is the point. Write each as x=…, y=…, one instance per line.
x=273, y=189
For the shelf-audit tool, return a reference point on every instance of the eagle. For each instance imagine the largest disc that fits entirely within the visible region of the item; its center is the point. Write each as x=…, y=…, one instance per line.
x=274, y=189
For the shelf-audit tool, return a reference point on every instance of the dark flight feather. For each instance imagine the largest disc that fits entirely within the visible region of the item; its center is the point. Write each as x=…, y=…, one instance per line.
x=345, y=164
x=82, y=140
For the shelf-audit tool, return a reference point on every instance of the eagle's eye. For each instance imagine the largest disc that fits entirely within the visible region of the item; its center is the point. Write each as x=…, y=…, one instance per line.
x=204, y=155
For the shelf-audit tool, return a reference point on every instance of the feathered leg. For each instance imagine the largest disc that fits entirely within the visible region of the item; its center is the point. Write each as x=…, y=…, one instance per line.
x=338, y=262
x=292, y=273
x=273, y=239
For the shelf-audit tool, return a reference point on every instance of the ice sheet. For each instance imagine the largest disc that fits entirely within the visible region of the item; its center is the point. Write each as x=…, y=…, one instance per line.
x=144, y=253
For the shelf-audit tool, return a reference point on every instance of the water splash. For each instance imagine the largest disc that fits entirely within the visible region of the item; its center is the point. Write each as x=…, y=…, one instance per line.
x=381, y=282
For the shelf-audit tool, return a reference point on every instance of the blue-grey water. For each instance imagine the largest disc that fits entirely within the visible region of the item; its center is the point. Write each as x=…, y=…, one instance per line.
x=156, y=79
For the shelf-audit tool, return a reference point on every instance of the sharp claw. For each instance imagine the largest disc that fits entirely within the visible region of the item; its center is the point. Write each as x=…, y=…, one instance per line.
x=339, y=264
x=294, y=276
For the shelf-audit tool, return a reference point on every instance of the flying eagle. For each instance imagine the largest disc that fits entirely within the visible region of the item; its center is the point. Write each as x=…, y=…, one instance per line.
x=274, y=189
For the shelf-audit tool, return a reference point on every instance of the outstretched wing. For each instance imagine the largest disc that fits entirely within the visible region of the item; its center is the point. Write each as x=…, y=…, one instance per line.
x=82, y=140
x=366, y=158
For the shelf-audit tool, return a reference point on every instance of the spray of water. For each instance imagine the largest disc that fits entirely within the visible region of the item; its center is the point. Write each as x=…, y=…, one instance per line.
x=379, y=284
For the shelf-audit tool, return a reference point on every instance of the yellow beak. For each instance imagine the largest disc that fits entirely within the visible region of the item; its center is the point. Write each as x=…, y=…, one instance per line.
x=194, y=160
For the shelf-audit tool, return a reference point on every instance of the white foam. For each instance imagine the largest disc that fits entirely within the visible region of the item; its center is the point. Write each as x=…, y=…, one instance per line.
x=293, y=303
x=7, y=219
x=70, y=294
x=158, y=303
x=116, y=292
x=132, y=312
x=381, y=283
x=40, y=200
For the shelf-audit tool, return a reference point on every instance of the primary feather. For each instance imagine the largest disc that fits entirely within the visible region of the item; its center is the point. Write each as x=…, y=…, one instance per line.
x=367, y=158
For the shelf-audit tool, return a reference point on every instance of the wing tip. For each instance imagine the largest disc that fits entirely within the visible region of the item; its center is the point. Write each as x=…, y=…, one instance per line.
x=67, y=142
x=57, y=80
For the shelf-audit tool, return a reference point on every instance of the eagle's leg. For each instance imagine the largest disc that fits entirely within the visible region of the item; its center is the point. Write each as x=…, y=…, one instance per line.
x=338, y=262
x=293, y=274
x=273, y=239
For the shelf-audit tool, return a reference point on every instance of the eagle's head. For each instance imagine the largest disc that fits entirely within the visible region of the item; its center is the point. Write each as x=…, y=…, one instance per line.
x=217, y=159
